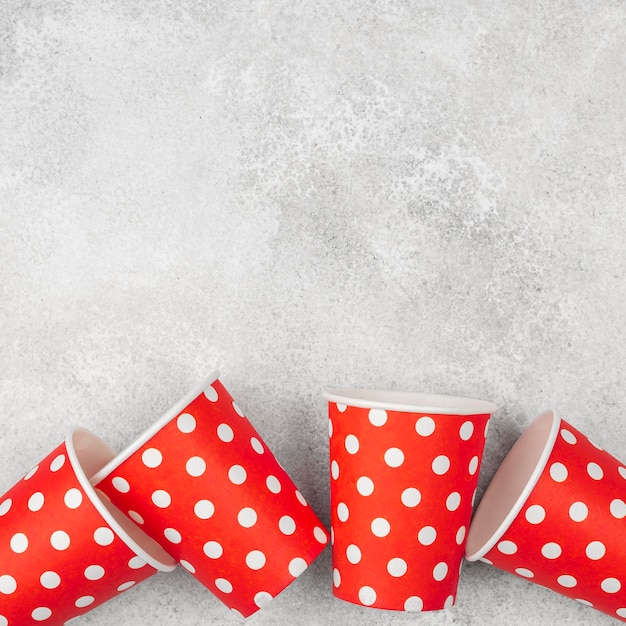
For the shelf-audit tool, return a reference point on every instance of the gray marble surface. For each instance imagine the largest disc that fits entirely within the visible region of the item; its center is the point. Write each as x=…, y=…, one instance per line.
x=407, y=195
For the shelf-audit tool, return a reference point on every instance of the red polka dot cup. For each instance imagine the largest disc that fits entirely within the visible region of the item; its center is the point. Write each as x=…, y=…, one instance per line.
x=63, y=549
x=555, y=514
x=206, y=487
x=404, y=469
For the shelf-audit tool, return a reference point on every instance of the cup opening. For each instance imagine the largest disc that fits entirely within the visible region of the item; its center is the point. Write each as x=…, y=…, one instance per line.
x=87, y=454
x=511, y=485
x=409, y=402
x=172, y=412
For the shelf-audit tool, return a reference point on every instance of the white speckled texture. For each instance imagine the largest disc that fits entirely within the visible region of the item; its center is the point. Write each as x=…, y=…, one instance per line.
x=411, y=195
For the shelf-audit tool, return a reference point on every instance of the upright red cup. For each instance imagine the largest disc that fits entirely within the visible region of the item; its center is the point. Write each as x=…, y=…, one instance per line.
x=404, y=469
x=555, y=514
x=203, y=484
x=63, y=549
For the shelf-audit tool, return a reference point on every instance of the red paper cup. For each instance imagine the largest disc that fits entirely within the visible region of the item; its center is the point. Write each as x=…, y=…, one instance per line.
x=63, y=549
x=203, y=484
x=555, y=514
x=404, y=469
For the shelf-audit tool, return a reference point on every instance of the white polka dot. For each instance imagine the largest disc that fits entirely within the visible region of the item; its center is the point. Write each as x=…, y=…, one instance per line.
x=526, y=573
x=50, y=580
x=567, y=581
x=273, y=484
x=57, y=463
x=413, y=603
x=196, y=466
x=535, y=514
x=427, y=535
x=578, y=512
x=595, y=471
x=237, y=475
x=19, y=543
x=394, y=457
x=255, y=559
x=484, y=559
x=136, y=517
x=262, y=598
x=330, y=428
x=8, y=584
x=618, y=508
x=558, y=472
x=171, y=534
x=297, y=566
x=31, y=473
x=136, y=563
x=343, y=513
x=152, y=458
x=622, y=471
x=365, y=486
x=377, y=417
x=225, y=586
x=94, y=572
x=210, y=393
x=286, y=525
x=126, y=585
x=334, y=470
x=473, y=465
x=121, y=484
x=213, y=549
x=186, y=423
x=301, y=498
x=460, y=535
x=411, y=497
x=188, y=566
x=41, y=613
x=568, y=436
x=352, y=444
x=353, y=554
x=380, y=527
x=225, y=433
x=161, y=498
x=440, y=571
x=507, y=547
x=441, y=464
x=60, y=540
x=367, y=595
x=595, y=550
x=336, y=577
x=453, y=501
x=320, y=535
x=341, y=407
x=611, y=585
x=247, y=517
x=466, y=431
x=397, y=567
x=4, y=621
x=257, y=446
x=425, y=426
x=621, y=612
x=36, y=501
x=5, y=507
x=103, y=536
x=449, y=603
x=332, y=536
x=73, y=499
x=551, y=550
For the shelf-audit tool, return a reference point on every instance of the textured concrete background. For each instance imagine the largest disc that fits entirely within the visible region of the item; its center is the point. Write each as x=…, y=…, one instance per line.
x=413, y=195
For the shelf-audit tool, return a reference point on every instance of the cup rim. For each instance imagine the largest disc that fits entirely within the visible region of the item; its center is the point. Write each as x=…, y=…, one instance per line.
x=102, y=509
x=408, y=402
x=165, y=419
x=521, y=500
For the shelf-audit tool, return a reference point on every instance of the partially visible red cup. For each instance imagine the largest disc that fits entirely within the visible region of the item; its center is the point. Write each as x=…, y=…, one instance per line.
x=555, y=514
x=204, y=485
x=64, y=549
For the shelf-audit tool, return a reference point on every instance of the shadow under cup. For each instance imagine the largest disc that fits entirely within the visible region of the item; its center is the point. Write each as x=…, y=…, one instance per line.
x=404, y=469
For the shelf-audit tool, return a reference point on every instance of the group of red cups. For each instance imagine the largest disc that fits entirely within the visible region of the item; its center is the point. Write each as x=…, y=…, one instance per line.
x=201, y=489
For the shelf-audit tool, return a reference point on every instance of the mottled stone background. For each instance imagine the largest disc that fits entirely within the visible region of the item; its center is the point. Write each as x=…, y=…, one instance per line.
x=412, y=195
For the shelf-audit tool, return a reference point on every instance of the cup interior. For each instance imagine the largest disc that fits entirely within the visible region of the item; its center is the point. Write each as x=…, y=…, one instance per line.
x=88, y=454
x=511, y=485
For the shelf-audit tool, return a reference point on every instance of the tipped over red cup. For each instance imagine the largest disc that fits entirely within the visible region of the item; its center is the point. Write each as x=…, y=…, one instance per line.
x=204, y=485
x=404, y=469
x=64, y=549
x=555, y=514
